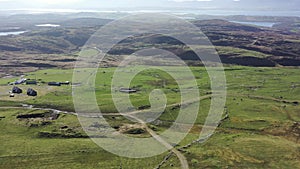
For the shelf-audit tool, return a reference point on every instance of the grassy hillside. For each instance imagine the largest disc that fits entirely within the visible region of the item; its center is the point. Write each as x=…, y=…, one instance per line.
x=261, y=130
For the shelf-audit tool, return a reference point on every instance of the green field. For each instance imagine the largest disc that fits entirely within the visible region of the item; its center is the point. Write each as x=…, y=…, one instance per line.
x=262, y=129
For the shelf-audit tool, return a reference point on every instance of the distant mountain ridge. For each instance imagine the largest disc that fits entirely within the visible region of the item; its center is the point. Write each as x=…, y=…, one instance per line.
x=236, y=43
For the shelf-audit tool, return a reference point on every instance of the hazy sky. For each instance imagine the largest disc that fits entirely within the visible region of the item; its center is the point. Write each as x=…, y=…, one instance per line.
x=145, y=4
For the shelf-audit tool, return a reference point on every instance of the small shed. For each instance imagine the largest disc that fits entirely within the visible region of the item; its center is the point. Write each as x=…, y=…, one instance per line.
x=17, y=90
x=31, y=92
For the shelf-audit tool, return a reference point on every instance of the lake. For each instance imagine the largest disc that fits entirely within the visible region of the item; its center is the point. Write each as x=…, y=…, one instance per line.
x=239, y=12
x=12, y=33
x=47, y=25
x=264, y=24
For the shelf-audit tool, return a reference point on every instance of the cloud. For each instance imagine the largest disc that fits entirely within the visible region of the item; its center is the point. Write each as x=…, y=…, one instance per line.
x=52, y=2
x=190, y=0
x=160, y=4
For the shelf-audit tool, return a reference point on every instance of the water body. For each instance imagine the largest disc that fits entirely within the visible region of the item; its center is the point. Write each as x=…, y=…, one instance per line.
x=264, y=24
x=245, y=12
x=47, y=25
x=181, y=11
x=12, y=33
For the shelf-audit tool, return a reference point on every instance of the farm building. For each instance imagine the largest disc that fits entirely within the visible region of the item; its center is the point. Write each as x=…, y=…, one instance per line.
x=33, y=82
x=54, y=84
x=127, y=90
x=65, y=83
x=31, y=92
x=17, y=90
x=21, y=81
